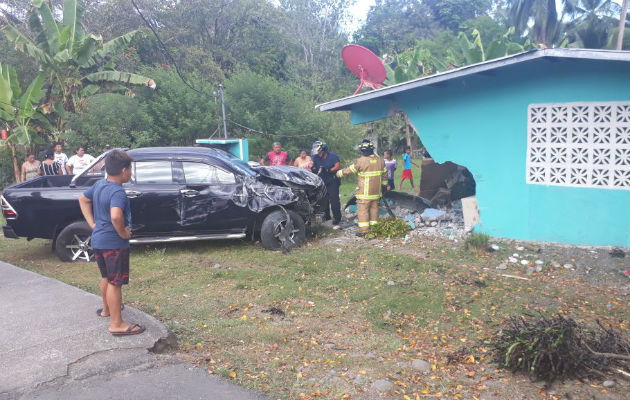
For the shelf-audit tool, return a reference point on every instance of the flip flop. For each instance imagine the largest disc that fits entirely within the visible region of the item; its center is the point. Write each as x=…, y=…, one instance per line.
x=100, y=310
x=130, y=331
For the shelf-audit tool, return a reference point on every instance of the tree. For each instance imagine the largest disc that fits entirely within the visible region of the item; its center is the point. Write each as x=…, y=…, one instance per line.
x=73, y=61
x=393, y=26
x=280, y=111
x=592, y=23
x=547, y=28
x=179, y=115
x=20, y=112
x=451, y=14
x=114, y=119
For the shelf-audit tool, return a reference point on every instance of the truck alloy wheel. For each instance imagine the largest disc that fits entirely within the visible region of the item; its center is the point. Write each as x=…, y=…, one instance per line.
x=277, y=233
x=74, y=242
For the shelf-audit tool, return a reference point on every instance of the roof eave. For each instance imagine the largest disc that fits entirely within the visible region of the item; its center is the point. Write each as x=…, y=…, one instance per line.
x=346, y=102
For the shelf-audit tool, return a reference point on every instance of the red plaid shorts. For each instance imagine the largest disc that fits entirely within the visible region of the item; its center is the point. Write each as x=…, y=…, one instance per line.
x=114, y=265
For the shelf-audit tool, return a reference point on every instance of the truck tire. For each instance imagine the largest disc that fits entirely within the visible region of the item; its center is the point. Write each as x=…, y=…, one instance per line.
x=271, y=231
x=74, y=243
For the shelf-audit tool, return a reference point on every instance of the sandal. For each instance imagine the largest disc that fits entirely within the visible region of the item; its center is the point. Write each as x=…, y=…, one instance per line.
x=130, y=331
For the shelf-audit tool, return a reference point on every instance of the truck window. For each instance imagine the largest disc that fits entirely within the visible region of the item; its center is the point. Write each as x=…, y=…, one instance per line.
x=204, y=174
x=152, y=172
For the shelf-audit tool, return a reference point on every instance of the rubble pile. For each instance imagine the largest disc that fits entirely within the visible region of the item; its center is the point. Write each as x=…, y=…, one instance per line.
x=442, y=221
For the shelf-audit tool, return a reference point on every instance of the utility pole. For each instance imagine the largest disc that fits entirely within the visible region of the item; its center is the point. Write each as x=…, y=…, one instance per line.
x=223, y=111
x=622, y=23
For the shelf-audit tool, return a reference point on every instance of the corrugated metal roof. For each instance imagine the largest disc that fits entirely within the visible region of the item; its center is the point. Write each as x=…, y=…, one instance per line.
x=346, y=102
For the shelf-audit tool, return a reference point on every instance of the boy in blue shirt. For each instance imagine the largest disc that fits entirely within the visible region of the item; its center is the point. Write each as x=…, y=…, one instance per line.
x=106, y=209
x=406, y=173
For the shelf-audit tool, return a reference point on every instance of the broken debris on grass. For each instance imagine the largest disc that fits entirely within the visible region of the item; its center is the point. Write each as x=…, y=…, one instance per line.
x=558, y=347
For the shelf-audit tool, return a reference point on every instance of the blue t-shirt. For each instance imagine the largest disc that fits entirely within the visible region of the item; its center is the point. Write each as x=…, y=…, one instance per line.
x=407, y=161
x=326, y=164
x=104, y=196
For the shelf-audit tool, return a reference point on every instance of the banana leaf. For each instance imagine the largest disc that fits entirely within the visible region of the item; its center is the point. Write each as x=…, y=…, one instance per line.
x=25, y=136
x=49, y=24
x=70, y=18
x=113, y=46
x=6, y=95
x=31, y=97
x=117, y=76
x=25, y=45
x=85, y=50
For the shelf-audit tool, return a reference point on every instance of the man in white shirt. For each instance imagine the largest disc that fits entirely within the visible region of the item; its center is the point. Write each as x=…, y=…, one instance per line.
x=79, y=162
x=61, y=158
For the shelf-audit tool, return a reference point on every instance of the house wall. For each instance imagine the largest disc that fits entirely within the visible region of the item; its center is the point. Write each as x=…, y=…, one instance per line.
x=480, y=121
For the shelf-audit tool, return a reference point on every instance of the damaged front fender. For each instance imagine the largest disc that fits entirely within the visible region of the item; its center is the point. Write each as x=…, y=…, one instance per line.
x=274, y=186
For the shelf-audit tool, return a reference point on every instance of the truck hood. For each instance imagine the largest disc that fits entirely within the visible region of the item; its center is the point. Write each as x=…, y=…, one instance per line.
x=290, y=176
x=280, y=186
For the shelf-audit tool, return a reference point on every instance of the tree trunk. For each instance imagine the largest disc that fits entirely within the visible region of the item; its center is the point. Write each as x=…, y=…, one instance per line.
x=407, y=133
x=16, y=169
x=622, y=24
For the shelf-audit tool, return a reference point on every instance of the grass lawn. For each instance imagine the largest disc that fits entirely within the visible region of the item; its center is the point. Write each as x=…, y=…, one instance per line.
x=349, y=183
x=328, y=319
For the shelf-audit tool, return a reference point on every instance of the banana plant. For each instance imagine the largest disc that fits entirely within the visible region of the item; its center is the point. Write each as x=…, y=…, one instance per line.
x=73, y=61
x=20, y=111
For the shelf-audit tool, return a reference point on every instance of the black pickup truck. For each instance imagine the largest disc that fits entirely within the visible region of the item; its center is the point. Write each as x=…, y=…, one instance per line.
x=176, y=194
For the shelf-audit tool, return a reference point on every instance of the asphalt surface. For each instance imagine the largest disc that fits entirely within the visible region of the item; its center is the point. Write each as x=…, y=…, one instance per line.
x=54, y=346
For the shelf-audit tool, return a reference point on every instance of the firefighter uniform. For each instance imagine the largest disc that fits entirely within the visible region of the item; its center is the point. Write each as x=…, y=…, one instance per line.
x=371, y=175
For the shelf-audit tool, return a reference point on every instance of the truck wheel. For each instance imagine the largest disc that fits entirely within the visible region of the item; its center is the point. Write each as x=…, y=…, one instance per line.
x=274, y=234
x=74, y=242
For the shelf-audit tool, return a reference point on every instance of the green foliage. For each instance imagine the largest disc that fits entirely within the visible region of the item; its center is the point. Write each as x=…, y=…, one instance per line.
x=395, y=25
x=285, y=113
x=6, y=167
x=68, y=56
x=19, y=110
x=477, y=242
x=388, y=228
x=111, y=119
x=178, y=114
x=451, y=14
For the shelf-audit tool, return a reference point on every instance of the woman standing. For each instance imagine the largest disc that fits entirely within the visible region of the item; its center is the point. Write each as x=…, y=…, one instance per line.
x=30, y=168
x=49, y=166
x=303, y=161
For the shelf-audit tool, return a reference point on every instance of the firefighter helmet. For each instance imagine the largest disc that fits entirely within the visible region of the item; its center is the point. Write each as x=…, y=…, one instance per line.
x=318, y=146
x=366, y=147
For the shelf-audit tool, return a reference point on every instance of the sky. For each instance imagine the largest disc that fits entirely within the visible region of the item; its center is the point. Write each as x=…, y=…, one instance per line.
x=358, y=12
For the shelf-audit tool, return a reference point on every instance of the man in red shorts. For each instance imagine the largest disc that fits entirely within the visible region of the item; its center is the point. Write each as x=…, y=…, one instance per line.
x=406, y=173
x=106, y=209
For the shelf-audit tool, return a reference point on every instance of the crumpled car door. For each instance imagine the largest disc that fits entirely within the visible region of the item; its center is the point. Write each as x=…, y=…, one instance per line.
x=208, y=200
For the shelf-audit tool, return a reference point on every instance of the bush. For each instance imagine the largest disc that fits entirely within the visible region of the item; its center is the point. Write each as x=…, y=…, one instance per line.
x=477, y=241
x=388, y=228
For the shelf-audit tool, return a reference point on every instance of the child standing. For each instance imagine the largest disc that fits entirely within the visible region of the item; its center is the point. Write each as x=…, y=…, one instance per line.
x=390, y=166
x=106, y=209
x=406, y=173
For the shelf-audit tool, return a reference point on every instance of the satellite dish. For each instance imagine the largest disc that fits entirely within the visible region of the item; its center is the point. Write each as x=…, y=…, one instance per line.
x=365, y=65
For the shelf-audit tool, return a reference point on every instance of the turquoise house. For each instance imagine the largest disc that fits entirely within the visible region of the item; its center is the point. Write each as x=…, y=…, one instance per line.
x=545, y=133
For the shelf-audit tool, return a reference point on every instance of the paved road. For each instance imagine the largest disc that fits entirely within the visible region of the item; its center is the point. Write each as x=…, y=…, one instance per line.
x=54, y=346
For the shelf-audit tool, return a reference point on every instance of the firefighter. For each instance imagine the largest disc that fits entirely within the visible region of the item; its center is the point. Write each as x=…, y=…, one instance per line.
x=371, y=175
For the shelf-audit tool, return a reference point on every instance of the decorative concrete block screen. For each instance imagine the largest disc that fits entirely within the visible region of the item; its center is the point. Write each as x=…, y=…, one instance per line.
x=579, y=144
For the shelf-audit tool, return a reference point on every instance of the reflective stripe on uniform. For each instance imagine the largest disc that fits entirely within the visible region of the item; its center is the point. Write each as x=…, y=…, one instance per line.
x=366, y=186
x=373, y=222
x=363, y=224
x=368, y=196
x=371, y=173
x=352, y=168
